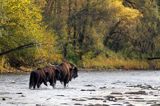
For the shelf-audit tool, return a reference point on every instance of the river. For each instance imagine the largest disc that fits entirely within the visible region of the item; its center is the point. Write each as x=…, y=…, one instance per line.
x=98, y=88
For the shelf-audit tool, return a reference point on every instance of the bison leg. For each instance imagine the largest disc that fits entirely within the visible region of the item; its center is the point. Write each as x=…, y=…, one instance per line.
x=32, y=80
x=45, y=83
x=34, y=86
x=65, y=83
x=39, y=83
x=51, y=83
x=35, y=81
x=54, y=83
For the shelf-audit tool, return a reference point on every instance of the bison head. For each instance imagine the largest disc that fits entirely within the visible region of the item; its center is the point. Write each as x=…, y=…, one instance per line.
x=74, y=71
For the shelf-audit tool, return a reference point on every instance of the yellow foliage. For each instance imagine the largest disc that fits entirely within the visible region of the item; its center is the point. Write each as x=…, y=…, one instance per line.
x=155, y=64
x=3, y=65
x=122, y=12
x=22, y=21
x=101, y=62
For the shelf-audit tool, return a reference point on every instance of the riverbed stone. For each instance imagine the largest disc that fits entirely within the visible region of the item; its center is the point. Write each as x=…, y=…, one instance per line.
x=78, y=104
x=104, y=87
x=3, y=99
x=97, y=105
x=89, y=85
x=95, y=98
x=111, y=98
x=116, y=93
x=19, y=93
x=79, y=100
x=155, y=105
x=137, y=93
x=88, y=90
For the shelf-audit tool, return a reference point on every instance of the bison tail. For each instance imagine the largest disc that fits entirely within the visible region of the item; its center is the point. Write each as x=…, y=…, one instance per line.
x=32, y=80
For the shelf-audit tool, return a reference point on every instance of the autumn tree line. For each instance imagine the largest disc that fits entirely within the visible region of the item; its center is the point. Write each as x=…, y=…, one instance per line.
x=104, y=34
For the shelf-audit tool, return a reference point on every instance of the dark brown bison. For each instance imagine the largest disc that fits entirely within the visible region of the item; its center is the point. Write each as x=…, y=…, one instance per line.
x=67, y=72
x=37, y=77
x=63, y=72
x=43, y=75
x=52, y=74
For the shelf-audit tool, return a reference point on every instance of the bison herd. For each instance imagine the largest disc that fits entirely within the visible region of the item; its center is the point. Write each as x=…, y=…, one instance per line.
x=63, y=72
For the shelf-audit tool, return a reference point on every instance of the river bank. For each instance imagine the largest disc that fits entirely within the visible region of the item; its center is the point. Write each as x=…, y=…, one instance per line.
x=98, y=64
x=28, y=70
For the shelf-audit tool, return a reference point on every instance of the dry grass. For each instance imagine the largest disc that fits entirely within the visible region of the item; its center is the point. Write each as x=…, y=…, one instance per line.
x=101, y=62
x=4, y=67
x=155, y=64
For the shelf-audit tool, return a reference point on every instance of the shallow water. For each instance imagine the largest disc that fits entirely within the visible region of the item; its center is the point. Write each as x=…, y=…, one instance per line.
x=117, y=88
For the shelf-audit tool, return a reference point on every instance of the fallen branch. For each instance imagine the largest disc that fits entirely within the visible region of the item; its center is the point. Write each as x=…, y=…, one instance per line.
x=153, y=58
x=19, y=48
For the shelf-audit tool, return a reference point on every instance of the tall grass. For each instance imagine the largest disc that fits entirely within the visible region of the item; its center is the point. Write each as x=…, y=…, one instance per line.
x=102, y=62
x=3, y=65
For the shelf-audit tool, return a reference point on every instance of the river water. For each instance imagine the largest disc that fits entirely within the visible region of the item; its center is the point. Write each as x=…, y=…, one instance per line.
x=113, y=88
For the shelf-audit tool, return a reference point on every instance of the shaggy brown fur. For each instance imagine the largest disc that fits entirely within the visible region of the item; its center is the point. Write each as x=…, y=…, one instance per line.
x=37, y=77
x=67, y=72
x=52, y=74
x=63, y=72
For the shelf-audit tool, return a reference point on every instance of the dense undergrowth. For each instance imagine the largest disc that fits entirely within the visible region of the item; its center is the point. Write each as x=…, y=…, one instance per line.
x=93, y=34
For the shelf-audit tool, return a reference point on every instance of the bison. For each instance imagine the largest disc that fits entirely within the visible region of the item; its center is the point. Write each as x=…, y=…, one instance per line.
x=37, y=77
x=67, y=72
x=63, y=72
x=43, y=75
x=52, y=74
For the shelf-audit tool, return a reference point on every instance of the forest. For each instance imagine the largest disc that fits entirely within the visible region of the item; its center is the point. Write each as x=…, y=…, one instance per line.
x=93, y=34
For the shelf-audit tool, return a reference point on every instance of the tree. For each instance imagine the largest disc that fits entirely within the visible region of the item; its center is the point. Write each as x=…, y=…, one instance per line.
x=147, y=29
x=20, y=25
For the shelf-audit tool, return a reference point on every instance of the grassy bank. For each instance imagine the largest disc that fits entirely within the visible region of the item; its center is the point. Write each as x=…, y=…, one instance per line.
x=101, y=62
x=98, y=63
x=116, y=64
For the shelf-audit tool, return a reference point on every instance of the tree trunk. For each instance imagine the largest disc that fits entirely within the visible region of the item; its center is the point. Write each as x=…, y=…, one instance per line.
x=29, y=45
